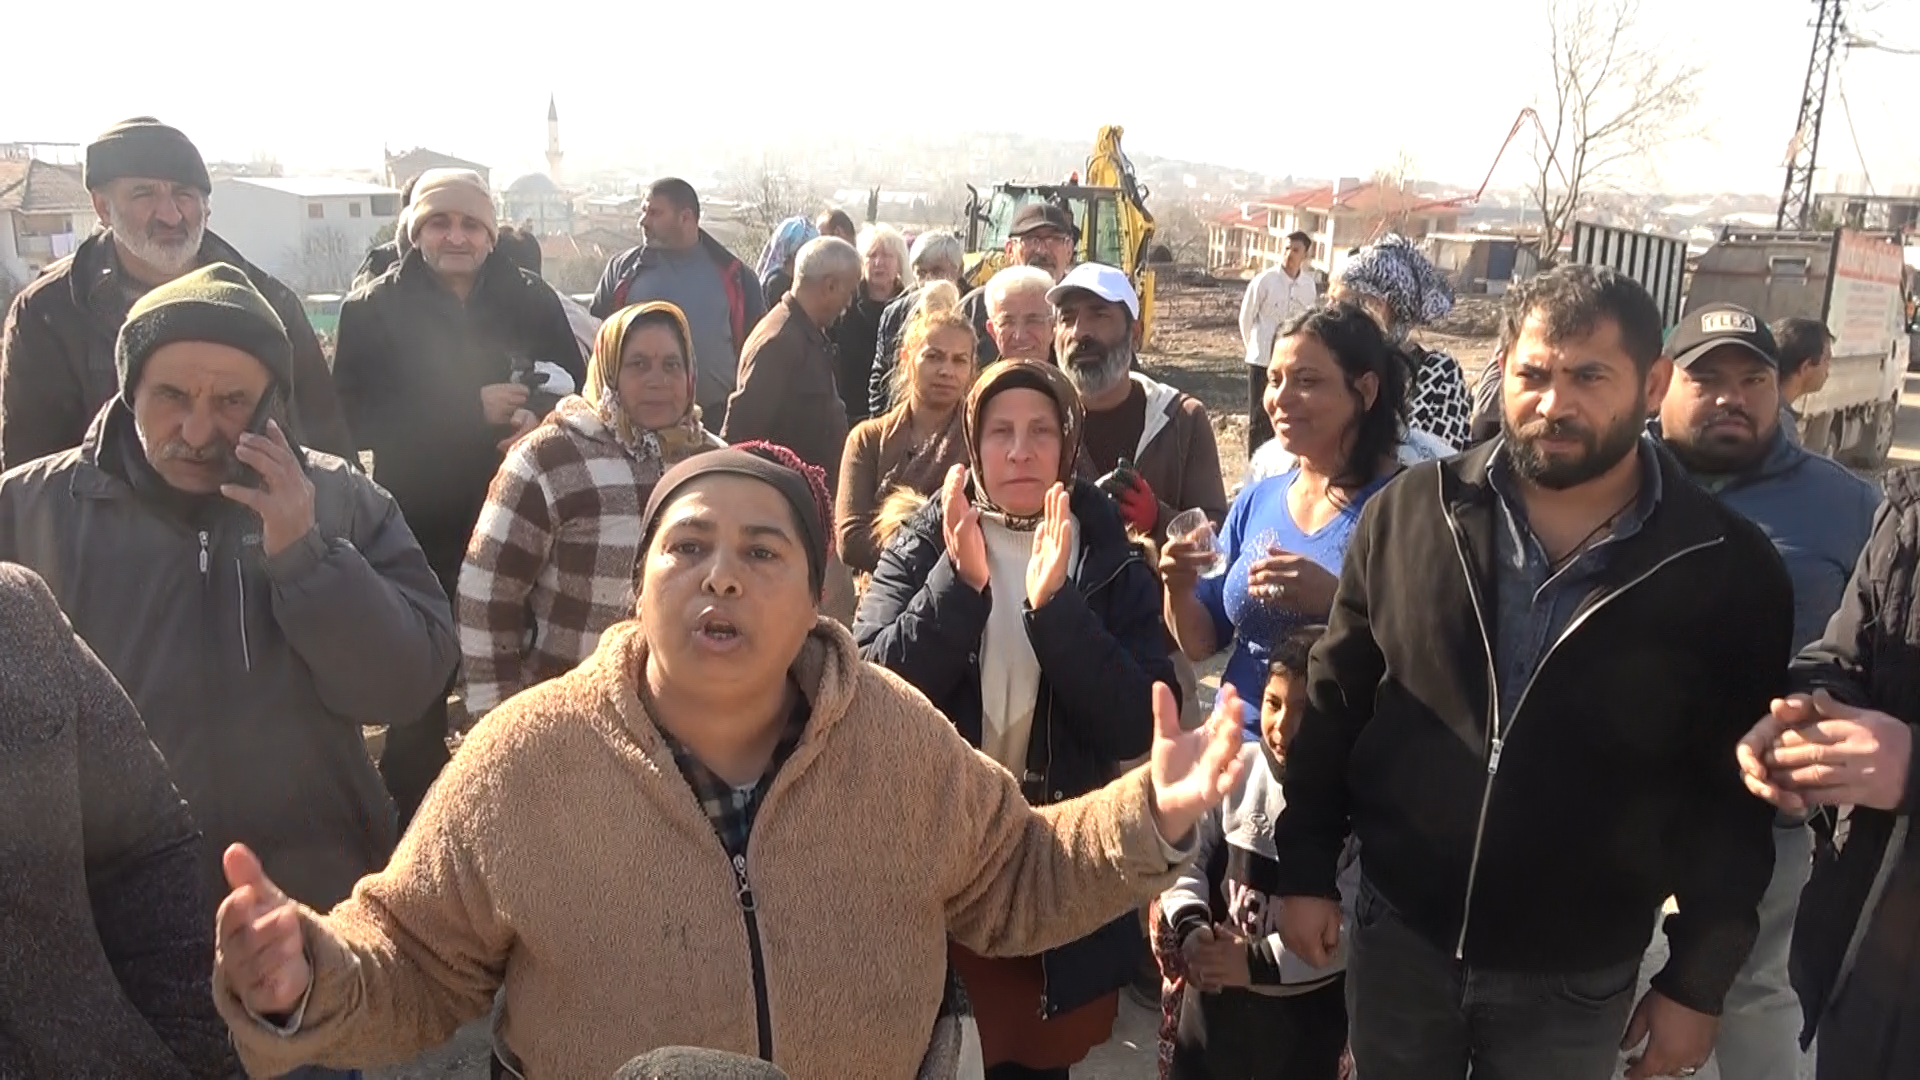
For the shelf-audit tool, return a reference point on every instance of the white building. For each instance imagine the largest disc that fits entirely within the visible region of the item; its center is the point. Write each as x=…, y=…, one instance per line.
x=45, y=212
x=309, y=231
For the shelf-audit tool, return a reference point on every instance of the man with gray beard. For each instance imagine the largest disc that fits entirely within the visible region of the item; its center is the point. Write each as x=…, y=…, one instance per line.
x=151, y=191
x=1150, y=444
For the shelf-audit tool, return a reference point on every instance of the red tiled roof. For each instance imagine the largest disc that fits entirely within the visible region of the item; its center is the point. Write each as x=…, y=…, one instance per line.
x=38, y=187
x=1313, y=198
x=1365, y=197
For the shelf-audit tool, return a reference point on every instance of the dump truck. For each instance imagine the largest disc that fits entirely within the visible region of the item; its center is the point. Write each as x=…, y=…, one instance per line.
x=1849, y=279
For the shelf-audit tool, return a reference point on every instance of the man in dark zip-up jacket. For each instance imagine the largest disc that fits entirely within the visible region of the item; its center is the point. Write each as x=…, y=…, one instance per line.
x=1539, y=661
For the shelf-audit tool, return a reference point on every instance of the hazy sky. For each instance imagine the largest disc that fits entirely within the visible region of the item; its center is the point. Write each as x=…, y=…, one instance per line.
x=1247, y=83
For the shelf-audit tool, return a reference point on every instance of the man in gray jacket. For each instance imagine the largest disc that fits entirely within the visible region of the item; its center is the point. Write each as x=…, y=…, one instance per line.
x=258, y=602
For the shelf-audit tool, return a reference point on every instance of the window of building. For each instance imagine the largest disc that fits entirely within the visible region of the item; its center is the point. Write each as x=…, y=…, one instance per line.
x=384, y=205
x=316, y=210
x=353, y=208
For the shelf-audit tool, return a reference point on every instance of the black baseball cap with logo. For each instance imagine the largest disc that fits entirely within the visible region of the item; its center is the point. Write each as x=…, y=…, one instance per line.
x=1703, y=330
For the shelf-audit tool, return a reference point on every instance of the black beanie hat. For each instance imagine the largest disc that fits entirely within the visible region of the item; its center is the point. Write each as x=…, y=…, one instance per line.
x=214, y=303
x=145, y=147
x=802, y=485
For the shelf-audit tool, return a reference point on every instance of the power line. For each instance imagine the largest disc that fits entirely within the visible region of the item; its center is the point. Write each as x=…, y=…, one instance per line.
x=1861, y=41
x=1846, y=111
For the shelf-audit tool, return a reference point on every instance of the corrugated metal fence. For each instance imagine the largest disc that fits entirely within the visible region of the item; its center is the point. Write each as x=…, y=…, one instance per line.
x=1657, y=262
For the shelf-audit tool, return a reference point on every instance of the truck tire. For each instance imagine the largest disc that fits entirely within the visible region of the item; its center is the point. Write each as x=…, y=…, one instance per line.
x=1876, y=438
x=1821, y=434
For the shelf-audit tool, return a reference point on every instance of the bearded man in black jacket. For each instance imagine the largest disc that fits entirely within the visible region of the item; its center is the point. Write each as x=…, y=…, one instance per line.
x=1540, y=659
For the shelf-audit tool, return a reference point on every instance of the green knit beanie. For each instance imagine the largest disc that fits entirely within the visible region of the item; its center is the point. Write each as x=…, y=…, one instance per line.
x=214, y=303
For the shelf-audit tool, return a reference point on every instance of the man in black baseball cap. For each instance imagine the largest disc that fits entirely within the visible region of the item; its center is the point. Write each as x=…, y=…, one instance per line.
x=1721, y=420
x=1043, y=236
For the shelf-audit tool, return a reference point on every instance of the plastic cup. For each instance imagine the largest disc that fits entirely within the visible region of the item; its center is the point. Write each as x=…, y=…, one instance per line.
x=1196, y=526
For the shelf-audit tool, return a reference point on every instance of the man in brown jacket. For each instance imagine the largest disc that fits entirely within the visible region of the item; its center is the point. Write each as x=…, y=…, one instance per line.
x=150, y=189
x=1161, y=436
x=787, y=393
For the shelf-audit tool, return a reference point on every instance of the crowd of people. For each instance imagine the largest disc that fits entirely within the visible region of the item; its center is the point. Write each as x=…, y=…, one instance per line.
x=828, y=637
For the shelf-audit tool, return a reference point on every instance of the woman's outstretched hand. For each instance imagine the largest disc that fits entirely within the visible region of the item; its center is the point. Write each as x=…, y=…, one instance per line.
x=1193, y=770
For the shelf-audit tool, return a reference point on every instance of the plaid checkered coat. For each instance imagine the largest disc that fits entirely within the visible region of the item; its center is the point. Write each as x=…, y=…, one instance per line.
x=551, y=564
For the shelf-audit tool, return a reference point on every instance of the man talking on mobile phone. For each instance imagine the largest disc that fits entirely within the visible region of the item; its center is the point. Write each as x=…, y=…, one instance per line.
x=256, y=625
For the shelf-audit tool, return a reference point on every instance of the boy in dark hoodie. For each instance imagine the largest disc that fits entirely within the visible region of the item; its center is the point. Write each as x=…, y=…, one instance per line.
x=1259, y=1012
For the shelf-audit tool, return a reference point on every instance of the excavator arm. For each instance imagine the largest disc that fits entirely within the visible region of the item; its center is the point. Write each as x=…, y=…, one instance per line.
x=1109, y=167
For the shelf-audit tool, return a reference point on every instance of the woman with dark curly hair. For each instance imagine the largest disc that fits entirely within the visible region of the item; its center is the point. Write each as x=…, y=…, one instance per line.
x=1337, y=396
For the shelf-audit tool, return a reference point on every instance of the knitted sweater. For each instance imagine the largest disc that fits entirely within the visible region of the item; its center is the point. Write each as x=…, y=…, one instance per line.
x=562, y=856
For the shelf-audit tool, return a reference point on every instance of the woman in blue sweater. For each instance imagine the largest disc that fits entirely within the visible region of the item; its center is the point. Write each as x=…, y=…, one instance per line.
x=1337, y=396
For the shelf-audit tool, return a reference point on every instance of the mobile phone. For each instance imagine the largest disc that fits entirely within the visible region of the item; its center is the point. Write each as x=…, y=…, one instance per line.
x=238, y=472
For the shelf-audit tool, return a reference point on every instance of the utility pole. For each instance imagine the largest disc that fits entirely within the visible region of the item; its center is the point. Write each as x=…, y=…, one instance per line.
x=1796, y=199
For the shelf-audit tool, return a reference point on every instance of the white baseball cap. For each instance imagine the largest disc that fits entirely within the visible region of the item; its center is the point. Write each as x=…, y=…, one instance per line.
x=1109, y=283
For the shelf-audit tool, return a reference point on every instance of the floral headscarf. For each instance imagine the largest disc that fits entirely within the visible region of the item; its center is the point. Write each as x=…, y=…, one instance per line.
x=788, y=238
x=1394, y=271
x=658, y=450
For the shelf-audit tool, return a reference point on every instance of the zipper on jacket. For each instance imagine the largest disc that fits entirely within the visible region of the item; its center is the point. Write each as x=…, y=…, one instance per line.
x=240, y=578
x=206, y=557
x=762, y=1011
x=1493, y=726
x=1498, y=736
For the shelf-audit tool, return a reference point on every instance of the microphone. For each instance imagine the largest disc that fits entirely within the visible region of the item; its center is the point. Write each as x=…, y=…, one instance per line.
x=693, y=1063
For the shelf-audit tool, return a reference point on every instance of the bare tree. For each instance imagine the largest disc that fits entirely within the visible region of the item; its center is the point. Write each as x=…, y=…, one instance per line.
x=574, y=273
x=1394, y=183
x=767, y=197
x=1181, y=228
x=1618, y=96
x=326, y=260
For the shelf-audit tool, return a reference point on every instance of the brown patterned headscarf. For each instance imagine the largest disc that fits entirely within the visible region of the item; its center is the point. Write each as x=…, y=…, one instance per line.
x=654, y=451
x=1025, y=375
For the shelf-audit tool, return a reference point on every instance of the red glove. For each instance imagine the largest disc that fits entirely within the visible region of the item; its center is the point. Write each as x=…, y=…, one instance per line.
x=1138, y=506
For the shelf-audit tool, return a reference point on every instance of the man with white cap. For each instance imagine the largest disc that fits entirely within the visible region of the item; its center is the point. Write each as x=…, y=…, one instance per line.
x=1151, y=444
x=441, y=364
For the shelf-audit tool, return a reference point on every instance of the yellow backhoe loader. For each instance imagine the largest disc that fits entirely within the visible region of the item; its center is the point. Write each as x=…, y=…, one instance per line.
x=1109, y=205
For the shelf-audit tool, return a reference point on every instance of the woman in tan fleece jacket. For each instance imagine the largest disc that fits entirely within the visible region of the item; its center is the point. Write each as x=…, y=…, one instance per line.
x=722, y=830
